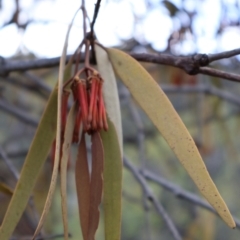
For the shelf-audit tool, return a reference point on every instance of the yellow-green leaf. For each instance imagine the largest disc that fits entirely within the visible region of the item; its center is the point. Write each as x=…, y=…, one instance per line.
x=159, y=109
x=34, y=161
x=64, y=162
x=112, y=183
x=62, y=74
x=4, y=188
x=110, y=91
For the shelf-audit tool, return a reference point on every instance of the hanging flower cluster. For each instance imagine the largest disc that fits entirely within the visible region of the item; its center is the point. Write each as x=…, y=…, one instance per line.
x=90, y=108
x=90, y=105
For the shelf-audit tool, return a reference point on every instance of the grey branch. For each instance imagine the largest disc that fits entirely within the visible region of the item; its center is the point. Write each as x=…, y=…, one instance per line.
x=149, y=194
x=19, y=114
x=227, y=54
x=44, y=238
x=181, y=193
x=203, y=88
x=38, y=82
x=9, y=164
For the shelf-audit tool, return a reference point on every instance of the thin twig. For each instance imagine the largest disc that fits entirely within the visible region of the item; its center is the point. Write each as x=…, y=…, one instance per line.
x=84, y=19
x=181, y=193
x=148, y=192
x=19, y=114
x=43, y=238
x=92, y=36
x=77, y=56
x=139, y=125
x=96, y=10
x=15, y=173
x=141, y=150
x=9, y=164
x=18, y=153
x=218, y=73
x=17, y=82
x=202, y=88
x=38, y=82
x=23, y=65
x=222, y=55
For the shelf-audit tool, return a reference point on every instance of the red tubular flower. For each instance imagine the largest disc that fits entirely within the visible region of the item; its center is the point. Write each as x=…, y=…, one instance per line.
x=83, y=102
x=77, y=125
x=100, y=106
x=93, y=85
x=105, y=124
x=95, y=107
x=102, y=121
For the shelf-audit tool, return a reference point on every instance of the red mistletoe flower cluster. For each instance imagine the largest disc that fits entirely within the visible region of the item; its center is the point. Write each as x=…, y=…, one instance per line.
x=90, y=105
x=91, y=112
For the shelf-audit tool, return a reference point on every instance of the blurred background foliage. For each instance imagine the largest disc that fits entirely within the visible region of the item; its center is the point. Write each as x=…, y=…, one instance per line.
x=208, y=106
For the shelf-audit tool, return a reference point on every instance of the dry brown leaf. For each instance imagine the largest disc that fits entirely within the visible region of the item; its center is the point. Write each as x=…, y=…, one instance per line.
x=83, y=187
x=96, y=186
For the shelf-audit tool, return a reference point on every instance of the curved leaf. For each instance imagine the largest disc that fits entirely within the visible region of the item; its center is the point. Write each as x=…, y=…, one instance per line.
x=110, y=92
x=82, y=179
x=64, y=163
x=96, y=185
x=112, y=183
x=63, y=72
x=33, y=163
x=160, y=110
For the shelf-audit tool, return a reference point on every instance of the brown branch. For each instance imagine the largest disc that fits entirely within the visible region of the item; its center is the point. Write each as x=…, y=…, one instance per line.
x=218, y=73
x=190, y=64
x=222, y=55
x=96, y=10
x=84, y=12
x=7, y=66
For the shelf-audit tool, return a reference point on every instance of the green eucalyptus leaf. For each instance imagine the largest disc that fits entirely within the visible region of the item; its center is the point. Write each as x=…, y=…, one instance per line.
x=34, y=161
x=112, y=183
x=36, y=157
x=157, y=106
x=110, y=91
